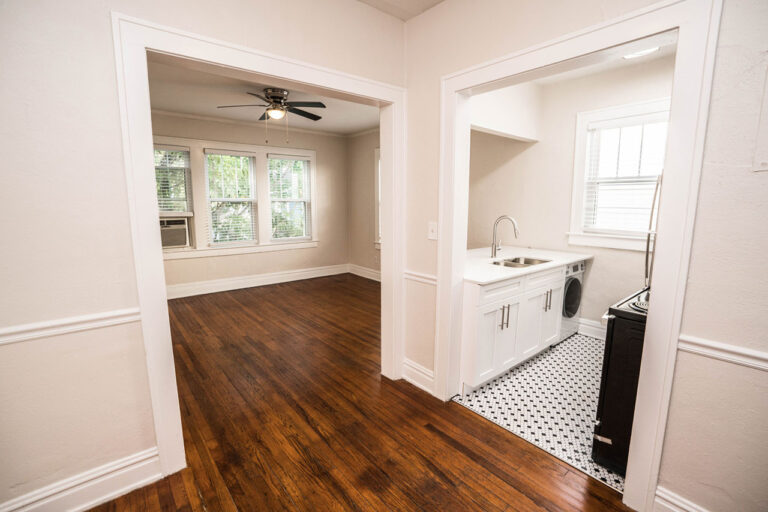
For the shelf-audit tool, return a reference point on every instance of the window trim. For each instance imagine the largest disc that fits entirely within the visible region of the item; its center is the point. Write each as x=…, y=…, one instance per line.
x=200, y=230
x=577, y=235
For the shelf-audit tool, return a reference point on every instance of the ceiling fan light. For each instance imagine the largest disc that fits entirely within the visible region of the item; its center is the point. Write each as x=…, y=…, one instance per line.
x=276, y=112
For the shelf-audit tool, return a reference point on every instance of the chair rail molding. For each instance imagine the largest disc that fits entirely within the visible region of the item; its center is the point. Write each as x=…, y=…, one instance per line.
x=751, y=358
x=32, y=331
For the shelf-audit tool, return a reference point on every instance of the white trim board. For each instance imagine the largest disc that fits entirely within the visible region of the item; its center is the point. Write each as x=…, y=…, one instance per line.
x=24, y=332
x=365, y=272
x=420, y=278
x=176, y=291
x=132, y=37
x=419, y=376
x=92, y=487
x=697, y=25
x=668, y=501
x=748, y=357
x=592, y=328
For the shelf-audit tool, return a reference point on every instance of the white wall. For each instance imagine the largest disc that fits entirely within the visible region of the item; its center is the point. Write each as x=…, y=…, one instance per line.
x=330, y=189
x=716, y=445
x=73, y=402
x=533, y=181
x=361, y=175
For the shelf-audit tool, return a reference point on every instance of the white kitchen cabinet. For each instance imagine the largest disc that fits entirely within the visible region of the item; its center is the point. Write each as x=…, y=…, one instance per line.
x=507, y=322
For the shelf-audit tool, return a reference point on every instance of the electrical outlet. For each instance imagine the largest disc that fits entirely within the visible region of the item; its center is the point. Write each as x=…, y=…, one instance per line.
x=431, y=230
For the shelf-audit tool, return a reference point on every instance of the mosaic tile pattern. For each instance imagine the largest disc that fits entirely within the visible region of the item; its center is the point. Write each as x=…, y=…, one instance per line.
x=551, y=401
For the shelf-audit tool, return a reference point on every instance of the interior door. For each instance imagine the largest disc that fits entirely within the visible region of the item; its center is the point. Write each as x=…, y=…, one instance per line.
x=550, y=322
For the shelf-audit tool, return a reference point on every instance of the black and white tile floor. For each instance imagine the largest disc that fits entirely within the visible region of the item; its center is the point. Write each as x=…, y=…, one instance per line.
x=551, y=401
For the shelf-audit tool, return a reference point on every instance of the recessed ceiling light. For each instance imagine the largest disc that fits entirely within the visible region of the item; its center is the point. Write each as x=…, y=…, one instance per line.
x=641, y=53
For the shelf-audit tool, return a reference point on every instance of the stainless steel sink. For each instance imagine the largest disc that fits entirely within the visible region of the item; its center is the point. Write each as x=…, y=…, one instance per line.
x=520, y=262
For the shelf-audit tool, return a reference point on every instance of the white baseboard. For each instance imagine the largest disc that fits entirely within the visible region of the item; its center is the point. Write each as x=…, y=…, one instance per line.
x=365, y=272
x=419, y=376
x=176, y=291
x=668, y=501
x=91, y=487
x=592, y=328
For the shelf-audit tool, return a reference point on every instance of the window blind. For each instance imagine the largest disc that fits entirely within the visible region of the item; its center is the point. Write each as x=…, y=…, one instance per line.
x=172, y=179
x=231, y=198
x=289, y=194
x=624, y=161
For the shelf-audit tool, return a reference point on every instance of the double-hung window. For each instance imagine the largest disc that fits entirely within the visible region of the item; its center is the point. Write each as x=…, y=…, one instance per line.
x=619, y=159
x=231, y=197
x=289, y=195
x=172, y=179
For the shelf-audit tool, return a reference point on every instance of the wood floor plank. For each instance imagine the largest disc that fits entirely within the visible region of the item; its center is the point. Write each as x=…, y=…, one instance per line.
x=283, y=408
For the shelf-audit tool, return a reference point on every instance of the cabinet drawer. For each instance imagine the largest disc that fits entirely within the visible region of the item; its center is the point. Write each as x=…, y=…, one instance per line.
x=498, y=291
x=543, y=278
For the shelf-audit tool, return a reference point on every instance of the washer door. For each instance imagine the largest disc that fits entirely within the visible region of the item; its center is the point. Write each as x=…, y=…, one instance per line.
x=572, y=298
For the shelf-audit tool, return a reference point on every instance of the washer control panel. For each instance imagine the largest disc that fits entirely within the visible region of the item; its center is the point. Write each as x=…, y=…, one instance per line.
x=575, y=268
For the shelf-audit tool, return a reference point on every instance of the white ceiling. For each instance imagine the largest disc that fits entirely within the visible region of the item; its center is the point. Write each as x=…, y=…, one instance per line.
x=403, y=9
x=179, y=89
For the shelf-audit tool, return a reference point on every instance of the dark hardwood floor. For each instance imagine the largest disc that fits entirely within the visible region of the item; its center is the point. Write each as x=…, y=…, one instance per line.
x=283, y=408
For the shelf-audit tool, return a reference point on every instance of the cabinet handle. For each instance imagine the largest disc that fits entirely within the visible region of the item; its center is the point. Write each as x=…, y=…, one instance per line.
x=546, y=300
x=501, y=325
x=549, y=304
x=506, y=324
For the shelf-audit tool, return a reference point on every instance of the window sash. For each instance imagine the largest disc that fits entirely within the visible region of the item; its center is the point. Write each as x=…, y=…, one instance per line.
x=173, y=179
x=232, y=218
x=287, y=222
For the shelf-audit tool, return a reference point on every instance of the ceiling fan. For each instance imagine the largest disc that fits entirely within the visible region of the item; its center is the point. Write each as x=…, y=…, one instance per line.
x=278, y=106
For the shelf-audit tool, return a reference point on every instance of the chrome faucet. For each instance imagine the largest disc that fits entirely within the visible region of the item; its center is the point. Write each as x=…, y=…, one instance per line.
x=496, y=242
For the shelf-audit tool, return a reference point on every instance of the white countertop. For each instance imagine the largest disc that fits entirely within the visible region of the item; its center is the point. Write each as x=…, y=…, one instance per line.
x=480, y=269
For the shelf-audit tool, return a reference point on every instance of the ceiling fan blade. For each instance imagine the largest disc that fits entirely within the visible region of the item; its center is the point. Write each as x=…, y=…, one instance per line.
x=313, y=104
x=262, y=98
x=303, y=113
x=263, y=116
x=251, y=105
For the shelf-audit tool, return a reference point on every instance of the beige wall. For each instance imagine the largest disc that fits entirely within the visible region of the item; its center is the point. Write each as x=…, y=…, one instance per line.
x=330, y=188
x=532, y=182
x=361, y=200
x=716, y=445
x=76, y=402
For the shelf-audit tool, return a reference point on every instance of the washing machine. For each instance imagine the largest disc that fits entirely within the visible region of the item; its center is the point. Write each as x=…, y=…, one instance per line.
x=574, y=275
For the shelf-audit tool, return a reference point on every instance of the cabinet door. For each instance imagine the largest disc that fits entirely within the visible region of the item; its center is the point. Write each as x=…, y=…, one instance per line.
x=505, y=342
x=488, y=322
x=529, y=333
x=550, y=322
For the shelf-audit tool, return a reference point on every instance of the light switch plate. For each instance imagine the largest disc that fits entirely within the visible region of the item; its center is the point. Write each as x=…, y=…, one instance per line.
x=432, y=230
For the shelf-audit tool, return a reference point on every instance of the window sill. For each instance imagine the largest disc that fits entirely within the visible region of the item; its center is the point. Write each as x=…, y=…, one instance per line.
x=207, y=252
x=621, y=242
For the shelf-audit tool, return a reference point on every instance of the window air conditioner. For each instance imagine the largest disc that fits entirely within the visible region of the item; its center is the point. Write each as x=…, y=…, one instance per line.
x=174, y=232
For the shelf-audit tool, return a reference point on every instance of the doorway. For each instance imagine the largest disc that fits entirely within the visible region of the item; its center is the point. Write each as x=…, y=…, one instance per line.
x=133, y=38
x=697, y=22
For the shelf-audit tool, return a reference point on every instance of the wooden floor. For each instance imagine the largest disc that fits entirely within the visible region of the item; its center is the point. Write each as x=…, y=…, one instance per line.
x=283, y=408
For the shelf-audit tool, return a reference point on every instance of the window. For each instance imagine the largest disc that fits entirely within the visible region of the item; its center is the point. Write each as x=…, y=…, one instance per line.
x=231, y=198
x=172, y=179
x=289, y=197
x=619, y=159
x=377, y=198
